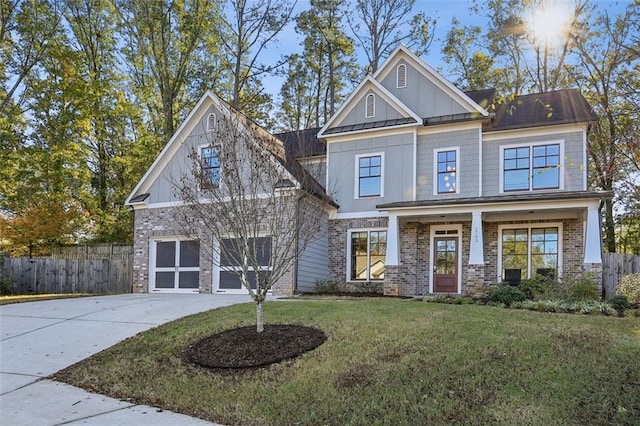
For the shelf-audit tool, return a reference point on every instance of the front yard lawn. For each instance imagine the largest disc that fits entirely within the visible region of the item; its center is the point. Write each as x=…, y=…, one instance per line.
x=387, y=361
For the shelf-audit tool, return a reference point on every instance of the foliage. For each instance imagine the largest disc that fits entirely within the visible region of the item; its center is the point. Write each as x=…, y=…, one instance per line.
x=506, y=294
x=327, y=287
x=619, y=303
x=432, y=363
x=538, y=287
x=581, y=286
x=6, y=284
x=629, y=286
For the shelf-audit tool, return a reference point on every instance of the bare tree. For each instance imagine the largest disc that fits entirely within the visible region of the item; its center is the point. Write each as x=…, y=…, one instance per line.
x=261, y=207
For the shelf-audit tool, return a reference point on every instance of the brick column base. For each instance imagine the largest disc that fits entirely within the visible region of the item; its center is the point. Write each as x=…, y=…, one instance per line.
x=475, y=281
x=391, y=285
x=595, y=270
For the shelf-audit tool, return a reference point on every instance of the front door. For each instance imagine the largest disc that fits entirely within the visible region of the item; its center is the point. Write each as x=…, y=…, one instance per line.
x=445, y=265
x=175, y=266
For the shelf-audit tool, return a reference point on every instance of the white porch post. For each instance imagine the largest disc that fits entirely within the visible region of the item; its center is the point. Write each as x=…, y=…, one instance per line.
x=393, y=242
x=593, y=237
x=476, y=250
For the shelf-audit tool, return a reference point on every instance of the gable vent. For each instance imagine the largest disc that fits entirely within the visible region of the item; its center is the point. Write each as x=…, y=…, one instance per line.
x=401, y=76
x=211, y=122
x=370, y=106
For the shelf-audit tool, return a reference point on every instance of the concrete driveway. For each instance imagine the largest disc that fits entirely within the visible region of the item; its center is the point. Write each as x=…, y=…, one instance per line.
x=39, y=338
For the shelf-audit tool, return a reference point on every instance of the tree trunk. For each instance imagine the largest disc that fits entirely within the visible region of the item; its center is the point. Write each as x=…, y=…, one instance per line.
x=259, y=317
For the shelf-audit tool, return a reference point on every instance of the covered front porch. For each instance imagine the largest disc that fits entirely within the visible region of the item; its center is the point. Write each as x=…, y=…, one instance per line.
x=464, y=246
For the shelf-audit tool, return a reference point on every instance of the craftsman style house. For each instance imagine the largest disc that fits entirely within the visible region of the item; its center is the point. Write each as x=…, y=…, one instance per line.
x=436, y=190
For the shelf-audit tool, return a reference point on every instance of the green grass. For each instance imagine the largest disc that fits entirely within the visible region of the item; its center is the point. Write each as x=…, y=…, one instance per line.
x=21, y=298
x=394, y=362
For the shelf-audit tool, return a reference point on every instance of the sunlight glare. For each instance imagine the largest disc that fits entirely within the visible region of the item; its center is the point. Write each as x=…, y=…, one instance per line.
x=550, y=22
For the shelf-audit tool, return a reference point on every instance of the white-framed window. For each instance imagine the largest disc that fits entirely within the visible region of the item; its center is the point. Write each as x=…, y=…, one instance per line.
x=211, y=122
x=210, y=166
x=401, y=76
x=527, y=250
x=370, y=106
x=369, y=175
x=367, y=249
x=446, y=179
x=530, y=167
x=226, y=271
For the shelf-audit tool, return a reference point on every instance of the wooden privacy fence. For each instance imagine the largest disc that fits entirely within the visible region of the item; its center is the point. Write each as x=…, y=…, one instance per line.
x=48, y=275
x=614, y=267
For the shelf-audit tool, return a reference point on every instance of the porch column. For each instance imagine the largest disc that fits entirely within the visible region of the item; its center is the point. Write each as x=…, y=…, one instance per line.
x=593, y=238
x=476, y=250
x=393, y=242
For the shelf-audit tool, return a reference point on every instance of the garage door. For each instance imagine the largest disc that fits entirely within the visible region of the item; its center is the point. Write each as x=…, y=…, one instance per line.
x=227, y=278
x=175, y=266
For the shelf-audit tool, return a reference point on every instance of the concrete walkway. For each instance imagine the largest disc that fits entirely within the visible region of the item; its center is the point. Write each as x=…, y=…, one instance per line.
x=39, y=338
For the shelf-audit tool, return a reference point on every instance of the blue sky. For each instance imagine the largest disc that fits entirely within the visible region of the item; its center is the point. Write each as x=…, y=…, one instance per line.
x=443, y=10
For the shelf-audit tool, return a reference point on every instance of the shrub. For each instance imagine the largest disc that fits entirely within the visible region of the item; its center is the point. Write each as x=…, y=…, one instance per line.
x=369, y=287
x=6, y=284
x=537, y=286
x=327, y=287
x=506, y=295
x=580, y=287
x=619, y=303
x=630, y=287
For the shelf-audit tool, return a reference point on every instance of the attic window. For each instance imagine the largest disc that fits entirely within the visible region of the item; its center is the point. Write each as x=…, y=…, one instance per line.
x=401, y=76
x=370, y=106
x=211, y=122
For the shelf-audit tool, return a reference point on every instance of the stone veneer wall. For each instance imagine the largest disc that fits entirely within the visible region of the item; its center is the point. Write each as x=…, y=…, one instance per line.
x=160, y=222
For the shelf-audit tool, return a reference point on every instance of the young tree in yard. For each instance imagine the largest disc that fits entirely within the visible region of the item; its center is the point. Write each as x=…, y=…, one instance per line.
x=261, y=208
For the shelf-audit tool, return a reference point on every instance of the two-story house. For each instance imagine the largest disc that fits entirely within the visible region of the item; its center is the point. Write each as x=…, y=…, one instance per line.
x=439, y=191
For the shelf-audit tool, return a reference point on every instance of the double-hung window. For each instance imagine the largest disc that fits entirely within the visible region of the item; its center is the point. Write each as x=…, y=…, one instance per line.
x=531, y=167
x=446, y=171
x=210, y=164
x=527, y=251
x=369, y=172
x=367, y=255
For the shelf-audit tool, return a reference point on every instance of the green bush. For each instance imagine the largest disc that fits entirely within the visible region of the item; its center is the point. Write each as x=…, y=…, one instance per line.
x=369, y=287
x=580, y=287
x=6, y=284
x=327, y=287
x=538, y=286
x=619, y=303
x=629, y=286
x=506, y=295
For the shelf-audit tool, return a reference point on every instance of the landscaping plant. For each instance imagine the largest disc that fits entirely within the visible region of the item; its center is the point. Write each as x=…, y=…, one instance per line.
x=630, y=287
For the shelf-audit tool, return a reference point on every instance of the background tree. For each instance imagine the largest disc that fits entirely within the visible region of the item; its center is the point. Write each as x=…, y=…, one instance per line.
x=383, y=24
x=251, y=206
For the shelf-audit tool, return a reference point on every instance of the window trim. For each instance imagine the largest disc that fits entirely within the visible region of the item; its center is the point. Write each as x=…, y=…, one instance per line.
x=370, y=100
x=531, y=145
x=357, y=176
x=529, y=227
x=436, y=151
x=209, y=185
x=350, y=231
x=401, y=71
x=211, y=128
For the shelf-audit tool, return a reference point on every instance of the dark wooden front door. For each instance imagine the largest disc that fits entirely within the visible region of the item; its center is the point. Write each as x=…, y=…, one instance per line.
x=445, y=265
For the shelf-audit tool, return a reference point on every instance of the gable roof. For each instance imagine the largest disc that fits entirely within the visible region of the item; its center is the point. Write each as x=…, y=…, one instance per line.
x=542, y=109
x=272, y=144
x=369, y=84
x=302, y=143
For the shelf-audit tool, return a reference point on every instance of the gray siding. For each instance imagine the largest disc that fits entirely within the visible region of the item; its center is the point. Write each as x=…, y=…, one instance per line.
x=421, y=95
x=467, y=175
x=397, y=170
x=163, y=189
x=317, y=167
x=383, y=111
x=313, y=264
x=572, y=173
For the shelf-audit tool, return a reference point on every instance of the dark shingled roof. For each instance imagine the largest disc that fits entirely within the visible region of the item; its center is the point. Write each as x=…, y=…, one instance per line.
x=302, y=143
x=542, y=109
x=485, y=97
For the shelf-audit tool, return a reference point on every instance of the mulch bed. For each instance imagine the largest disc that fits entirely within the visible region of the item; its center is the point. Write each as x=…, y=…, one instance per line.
x=244, y=347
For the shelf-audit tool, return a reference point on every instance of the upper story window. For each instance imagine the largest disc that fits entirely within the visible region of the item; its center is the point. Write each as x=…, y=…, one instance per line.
x=370, y=106
x=369, y=181
x=446, y=171
x=531, y=167
x=210, y=163
x=211, y=122
x=401, y=76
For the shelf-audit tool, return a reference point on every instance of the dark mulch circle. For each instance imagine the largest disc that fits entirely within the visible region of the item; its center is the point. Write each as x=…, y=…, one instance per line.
x=244, y=347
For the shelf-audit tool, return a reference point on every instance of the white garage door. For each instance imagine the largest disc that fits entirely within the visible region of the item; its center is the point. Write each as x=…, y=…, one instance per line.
x=175, y=266
x=226, y=277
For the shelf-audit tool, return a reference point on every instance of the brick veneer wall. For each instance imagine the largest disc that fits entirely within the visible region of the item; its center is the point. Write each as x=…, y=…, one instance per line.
x=160, y=222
